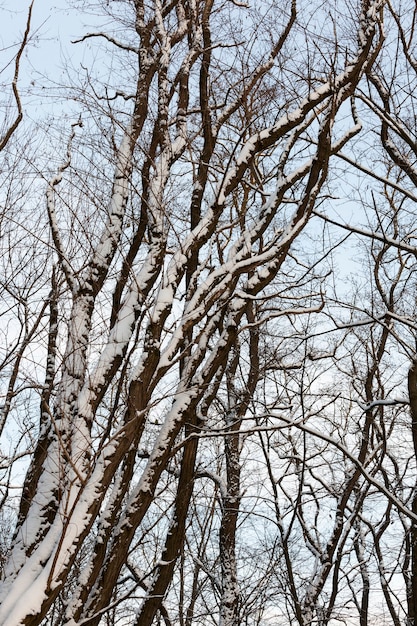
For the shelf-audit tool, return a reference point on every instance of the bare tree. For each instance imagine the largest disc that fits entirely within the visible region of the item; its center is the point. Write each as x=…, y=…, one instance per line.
x=175, y=211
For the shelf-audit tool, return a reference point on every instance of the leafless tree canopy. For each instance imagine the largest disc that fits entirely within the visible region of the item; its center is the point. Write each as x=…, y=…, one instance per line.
x=208, y=370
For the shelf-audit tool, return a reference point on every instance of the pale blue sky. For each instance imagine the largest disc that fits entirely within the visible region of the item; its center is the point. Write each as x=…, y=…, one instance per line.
x=53, y=27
